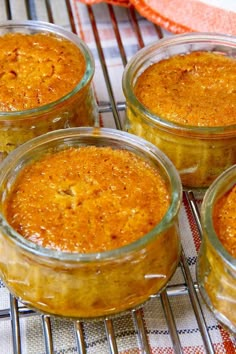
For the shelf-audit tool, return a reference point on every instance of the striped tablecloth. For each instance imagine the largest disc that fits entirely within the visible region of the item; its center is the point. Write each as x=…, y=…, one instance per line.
x=154, y=318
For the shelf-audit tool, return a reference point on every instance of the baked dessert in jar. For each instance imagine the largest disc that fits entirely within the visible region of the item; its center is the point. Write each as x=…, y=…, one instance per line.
x=216, y=267
x=45, y=82
x=180, y=95
x=85, y=208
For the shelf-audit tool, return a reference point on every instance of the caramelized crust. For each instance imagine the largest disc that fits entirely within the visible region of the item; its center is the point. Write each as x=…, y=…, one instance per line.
x=36, y=69
x=224, y=219
x=86, y=200
x=195, y=89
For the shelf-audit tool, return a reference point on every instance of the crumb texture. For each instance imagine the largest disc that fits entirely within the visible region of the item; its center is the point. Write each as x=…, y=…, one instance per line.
x=36, y=69
x=197, y=89
x=224, y=218
x=88, y=199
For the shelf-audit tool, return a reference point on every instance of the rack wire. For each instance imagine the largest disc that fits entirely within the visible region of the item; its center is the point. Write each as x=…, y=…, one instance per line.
x=110, y=110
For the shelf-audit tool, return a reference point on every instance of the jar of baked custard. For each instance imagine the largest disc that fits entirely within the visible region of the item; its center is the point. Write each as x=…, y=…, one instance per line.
x=88, y=222
x=216, y=267
x=46, y=77
x=180, y=95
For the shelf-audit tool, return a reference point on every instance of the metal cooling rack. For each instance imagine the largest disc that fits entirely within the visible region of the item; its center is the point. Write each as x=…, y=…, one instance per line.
x=15, y=313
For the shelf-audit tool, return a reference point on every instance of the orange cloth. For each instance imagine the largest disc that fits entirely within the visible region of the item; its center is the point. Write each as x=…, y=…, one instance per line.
x=180, y=16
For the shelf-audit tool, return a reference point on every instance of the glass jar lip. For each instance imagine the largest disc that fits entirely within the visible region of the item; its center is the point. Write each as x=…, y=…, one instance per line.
x=167, y=42
x=208, y=203
x=104, y=133
x=46, y=27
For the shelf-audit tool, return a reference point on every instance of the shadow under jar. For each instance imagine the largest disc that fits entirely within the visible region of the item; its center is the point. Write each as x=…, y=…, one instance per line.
x=45, y=82
x=200, y=151
x=100, y=283
x=216, y=266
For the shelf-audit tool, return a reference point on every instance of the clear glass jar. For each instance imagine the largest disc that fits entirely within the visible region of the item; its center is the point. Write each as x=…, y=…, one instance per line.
x=77, y=108
x=200, y=154
x=216, y=268
x=89, y=286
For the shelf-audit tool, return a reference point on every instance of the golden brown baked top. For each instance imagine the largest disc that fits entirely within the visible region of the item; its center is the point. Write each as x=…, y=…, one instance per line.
x=87, y=200
x=224, y=219
x=197, y=89
x=36, y=69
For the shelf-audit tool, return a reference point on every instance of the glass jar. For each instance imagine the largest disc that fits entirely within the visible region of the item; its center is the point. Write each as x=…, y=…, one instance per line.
x=216, y=268
x=76, y=108
x=200, y=154
x=92, y=285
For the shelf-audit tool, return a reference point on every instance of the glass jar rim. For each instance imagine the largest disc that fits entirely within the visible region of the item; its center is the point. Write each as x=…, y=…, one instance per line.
x=142, y=54
x=46, y=27
x=114, y=136
x=207, y=211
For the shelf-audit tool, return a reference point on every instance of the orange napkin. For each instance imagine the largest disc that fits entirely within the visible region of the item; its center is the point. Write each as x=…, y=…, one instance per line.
x=185, y=15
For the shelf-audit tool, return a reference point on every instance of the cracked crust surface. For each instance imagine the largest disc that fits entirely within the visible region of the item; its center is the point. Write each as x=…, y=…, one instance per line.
x=87, y=200
x=224, y=219
x=196, y=89
x=36, y=69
